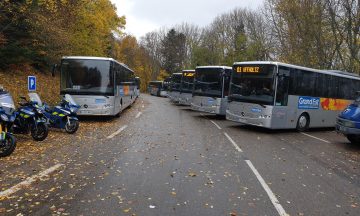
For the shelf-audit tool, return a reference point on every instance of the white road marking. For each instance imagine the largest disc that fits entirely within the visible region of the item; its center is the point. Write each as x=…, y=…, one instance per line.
x=215, y=124
x=29, y=181
x=117, y=132
x=233, y=142
x=138, y=115
x=315, y=137
x=271, y=195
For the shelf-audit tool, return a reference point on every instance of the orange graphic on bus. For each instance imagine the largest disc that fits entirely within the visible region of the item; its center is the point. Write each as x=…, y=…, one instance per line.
x=126, y=90
x=334, y=104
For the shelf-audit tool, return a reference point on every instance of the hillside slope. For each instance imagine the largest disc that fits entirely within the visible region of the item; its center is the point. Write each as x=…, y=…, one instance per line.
x=14, y=80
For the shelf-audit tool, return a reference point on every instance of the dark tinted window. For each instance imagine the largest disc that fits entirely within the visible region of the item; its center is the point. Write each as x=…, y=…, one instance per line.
x=86, y=76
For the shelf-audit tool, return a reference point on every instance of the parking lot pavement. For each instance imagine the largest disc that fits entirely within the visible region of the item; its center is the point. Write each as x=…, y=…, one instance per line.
x=163, y=159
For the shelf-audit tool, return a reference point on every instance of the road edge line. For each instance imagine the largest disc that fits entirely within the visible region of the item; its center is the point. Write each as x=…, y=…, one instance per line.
x=314, y=137
x=117, y=132
x=29, y=181
x=233, y=142
x=138, y=115
x=216, y=124
x=267, y=189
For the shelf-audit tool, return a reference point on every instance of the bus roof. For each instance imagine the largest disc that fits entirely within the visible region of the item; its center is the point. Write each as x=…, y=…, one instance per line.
x=96, y=58
x=329, y=72
x=214, y=66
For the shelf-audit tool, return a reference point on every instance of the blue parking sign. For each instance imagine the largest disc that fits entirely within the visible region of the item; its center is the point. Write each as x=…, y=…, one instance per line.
x=32, y=83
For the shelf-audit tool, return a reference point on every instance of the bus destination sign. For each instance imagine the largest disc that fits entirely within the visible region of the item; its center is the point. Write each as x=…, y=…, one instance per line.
x=189, y=74
x=247, y=69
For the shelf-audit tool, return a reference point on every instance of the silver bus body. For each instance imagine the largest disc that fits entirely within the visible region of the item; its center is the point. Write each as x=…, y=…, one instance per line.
x=187, y=84
x=185, y=99
x=320, y=111
x=209, y=105
x=175, y=84
x=206, y=102
x=76, y=82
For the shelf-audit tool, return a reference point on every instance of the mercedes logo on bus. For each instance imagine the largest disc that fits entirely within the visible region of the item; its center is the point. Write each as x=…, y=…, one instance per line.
x=86, y=106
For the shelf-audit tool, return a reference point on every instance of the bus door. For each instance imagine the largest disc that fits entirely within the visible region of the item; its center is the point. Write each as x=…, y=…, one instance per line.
x=281, y=109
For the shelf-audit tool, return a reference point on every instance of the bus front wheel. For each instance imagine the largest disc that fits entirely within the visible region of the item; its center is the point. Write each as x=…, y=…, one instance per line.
x=303, y=122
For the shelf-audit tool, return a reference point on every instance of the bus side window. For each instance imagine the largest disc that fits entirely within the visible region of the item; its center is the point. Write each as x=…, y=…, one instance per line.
x=282, y=87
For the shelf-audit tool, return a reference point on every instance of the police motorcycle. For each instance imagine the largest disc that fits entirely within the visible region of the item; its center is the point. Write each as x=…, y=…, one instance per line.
x=7, y=117
x=30, y=118
x=63, y=116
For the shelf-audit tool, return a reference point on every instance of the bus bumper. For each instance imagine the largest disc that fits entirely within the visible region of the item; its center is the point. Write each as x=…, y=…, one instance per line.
x=260, y=122
x=96, y=112
x=207, y=109
x=185, y=99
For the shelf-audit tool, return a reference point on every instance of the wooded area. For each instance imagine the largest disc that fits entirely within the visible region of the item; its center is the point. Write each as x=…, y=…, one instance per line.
x=322, y=34
x=315, y=33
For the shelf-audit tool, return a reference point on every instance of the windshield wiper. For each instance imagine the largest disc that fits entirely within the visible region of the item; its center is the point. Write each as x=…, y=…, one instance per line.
x=262, y=105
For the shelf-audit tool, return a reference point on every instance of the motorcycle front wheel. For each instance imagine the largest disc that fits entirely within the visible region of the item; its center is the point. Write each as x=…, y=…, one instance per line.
x=71, y=126
x=7, y=146
x=39, y=132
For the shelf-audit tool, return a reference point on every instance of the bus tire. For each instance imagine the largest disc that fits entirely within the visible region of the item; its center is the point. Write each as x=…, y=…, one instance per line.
x=303, y=122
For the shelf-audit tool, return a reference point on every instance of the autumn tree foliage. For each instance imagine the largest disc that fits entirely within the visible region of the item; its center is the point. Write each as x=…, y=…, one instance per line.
x=39, y=32
x=323, y=34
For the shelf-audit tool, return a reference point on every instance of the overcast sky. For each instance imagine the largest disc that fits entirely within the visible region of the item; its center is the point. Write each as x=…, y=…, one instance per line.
x=143, y=16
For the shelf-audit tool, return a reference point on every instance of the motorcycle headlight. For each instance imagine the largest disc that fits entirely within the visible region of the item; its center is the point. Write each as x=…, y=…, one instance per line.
x=4, y=117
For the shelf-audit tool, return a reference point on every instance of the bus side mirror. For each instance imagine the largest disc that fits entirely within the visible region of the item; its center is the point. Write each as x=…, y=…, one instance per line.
x=53, y=70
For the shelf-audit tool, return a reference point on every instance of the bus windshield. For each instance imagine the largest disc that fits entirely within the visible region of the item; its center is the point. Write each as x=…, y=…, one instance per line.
x=187, y=82
x=208, y=82
x=86, y=76
x=175, y=82
x=253, y=83
x=156, y=84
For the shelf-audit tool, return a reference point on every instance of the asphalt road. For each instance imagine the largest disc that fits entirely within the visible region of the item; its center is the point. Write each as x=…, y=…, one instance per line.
x=163, y=159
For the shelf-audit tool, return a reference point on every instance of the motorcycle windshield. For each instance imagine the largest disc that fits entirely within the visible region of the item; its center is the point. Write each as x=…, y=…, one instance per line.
x=69, y=99
x=34, y=97
x=7, y=103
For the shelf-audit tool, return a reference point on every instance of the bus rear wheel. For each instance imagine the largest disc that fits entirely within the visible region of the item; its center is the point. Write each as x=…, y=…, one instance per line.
x=303, y=122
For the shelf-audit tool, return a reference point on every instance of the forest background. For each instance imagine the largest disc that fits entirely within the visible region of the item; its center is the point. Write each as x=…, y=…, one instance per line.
x=35, y=34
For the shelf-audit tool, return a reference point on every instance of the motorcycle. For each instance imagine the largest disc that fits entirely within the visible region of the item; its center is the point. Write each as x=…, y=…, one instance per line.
x=7, y=117
x=30, y=118
x=63, y=116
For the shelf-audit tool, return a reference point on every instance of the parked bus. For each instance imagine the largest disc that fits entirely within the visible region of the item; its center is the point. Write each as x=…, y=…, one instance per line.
x=166, y=86
x=211, y=88
x=175, y=85
x=186, y=88
x=101, y=86
x=278, y=96
x=137, y=84
x=156, y=88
